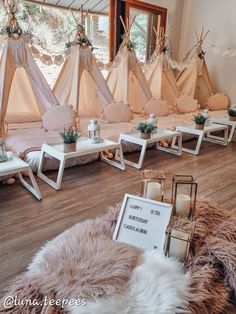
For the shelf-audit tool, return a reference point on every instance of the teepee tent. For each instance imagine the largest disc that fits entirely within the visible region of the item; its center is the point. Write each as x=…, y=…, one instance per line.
x=126, y=79
x=24, y=92
x=194, y=80
x=159, y=73
x=80, y=82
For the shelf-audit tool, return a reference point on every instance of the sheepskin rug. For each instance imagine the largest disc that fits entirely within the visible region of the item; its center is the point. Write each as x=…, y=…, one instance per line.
x=158, y=285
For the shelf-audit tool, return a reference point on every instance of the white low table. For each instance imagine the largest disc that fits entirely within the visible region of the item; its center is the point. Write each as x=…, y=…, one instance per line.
x=15, y=165
x=155, y=138
x=84, y=147
x=204, y=135
x=230, y=124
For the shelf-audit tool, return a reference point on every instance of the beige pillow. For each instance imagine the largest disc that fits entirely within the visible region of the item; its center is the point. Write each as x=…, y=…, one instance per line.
x=159, y=107
x=186, y=104
x=59, y=117
x=217, y=102
x=117, y=112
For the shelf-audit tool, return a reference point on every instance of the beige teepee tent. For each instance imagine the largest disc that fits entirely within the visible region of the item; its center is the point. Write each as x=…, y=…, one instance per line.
x=159, y=73
x=80, y=82
x=24, y=92
x=194, y=80
x=126, y=79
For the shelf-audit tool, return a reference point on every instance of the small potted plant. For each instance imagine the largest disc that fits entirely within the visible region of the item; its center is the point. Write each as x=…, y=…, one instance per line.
x=146, y=129
x=199, y=120
x=70, y=137
x=232, y=112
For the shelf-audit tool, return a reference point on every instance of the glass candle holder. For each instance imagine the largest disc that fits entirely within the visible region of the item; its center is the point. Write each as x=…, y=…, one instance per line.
x=184, y=195
x=153, y=182
x=178, y=241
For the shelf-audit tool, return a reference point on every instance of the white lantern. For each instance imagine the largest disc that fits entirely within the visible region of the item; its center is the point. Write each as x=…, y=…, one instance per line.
x=3, y=152
x=153, y=120
x=233, y=107
x=94, y=132
x=206, y=114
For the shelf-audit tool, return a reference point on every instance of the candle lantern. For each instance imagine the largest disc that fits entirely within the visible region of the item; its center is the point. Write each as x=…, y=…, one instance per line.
x=94, y=132
x=178, y=241
x=3, y=152
x=184, y=194
x=152, y=119
x=153, y=182
x=206, y=114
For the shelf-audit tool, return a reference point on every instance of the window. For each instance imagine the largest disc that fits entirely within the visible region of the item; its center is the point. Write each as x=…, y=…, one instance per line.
x=97, y=29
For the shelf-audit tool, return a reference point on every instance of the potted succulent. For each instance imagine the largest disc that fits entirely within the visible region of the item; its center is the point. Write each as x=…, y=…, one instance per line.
x=232, y=112
x=146, y=129
x=70, y=137
x=199, y=120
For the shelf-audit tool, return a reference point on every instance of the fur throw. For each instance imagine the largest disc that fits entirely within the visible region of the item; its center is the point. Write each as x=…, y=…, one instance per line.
x=83, y=262
x=158, y=285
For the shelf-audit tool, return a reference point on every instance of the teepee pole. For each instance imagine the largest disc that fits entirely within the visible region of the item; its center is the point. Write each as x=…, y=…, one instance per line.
x=202, y=33
x=74, y=16
x=81, y=15
x=204, y=37
x=197, y=35
x=123, y=23
x=127, y=23
x=131, y=24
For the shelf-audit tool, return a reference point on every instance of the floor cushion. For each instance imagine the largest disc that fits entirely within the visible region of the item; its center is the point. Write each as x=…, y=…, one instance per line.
x=117, y=112
x=158, y=107
x=59, y=117
x=217, y=102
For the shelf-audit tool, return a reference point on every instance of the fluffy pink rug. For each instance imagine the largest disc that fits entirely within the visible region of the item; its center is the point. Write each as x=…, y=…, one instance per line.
x=83, y=262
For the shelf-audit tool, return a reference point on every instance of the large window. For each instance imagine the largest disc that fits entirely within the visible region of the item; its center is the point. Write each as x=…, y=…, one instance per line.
x=144, y=17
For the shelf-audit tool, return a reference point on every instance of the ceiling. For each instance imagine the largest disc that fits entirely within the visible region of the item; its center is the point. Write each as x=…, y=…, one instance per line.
x=94, y=6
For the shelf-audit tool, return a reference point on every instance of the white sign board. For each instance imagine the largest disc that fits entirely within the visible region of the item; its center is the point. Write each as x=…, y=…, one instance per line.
x=142, y=222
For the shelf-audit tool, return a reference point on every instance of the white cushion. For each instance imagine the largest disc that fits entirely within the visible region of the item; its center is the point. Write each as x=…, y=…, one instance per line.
x=217, y=102
x=117, y=112
x=159, y=107
x=186, y=104
x=59, y=117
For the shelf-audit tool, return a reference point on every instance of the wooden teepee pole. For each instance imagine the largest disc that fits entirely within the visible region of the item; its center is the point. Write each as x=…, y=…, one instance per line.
x=123, y=23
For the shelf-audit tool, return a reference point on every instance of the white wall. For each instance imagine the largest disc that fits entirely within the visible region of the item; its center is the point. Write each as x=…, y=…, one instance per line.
x=220, y=18
x=174, y=20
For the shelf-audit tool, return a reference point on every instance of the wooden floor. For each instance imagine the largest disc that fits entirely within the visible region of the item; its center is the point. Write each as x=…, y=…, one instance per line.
x=25, y=223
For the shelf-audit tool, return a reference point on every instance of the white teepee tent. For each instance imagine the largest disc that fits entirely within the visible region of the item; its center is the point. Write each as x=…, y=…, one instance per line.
x=126, y=79
x=80, y=82
x=194, y=80
x=24, y=92
x=159, y=73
